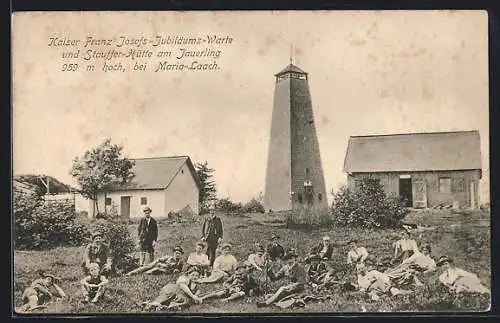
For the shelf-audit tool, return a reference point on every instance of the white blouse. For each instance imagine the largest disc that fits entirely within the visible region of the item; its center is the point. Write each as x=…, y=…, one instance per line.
x=354, y=255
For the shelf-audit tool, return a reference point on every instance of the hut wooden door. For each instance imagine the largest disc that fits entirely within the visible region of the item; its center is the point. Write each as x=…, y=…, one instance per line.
x=419, y=194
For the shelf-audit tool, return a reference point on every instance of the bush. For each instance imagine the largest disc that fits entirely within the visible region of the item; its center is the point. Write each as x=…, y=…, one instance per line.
x=41, y=225
x=225, y=205
x=118, y=238
x=253, y=206
x=308, y=217
x=367, y=207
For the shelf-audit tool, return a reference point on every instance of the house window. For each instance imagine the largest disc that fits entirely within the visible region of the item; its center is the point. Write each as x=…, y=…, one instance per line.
x=457, y=185
x=320, y=197
x=108, y=201
x=299, y=198
x=144, y=200
x=444, y=185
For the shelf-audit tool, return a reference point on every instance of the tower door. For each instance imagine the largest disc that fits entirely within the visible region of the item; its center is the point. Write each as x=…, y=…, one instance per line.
x=309, y=195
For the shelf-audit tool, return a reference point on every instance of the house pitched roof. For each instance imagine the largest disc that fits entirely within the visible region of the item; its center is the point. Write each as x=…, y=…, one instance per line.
x=156, y=173
x=434, y=151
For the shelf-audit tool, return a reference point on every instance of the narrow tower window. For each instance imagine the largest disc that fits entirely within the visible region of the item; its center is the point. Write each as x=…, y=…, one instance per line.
x=320, y=197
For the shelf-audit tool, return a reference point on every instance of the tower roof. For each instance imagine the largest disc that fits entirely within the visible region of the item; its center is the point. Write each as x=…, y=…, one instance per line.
x=290, y=68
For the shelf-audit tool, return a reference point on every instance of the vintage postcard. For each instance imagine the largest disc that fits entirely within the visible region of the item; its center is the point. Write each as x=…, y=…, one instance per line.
x=250, y=162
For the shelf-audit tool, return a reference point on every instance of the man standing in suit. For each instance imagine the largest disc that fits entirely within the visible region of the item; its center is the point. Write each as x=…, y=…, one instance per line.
x=212, y=234
x=148, y=234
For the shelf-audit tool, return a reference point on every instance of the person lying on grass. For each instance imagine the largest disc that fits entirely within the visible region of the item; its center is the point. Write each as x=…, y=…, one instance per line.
x=404, y=248
x=164, y=265
x=375, y=283
x=356, y=254
x=199, y=259
x=406, y=272
x=93, y=285
x=293, y=270
x=459, y=280
x=182, y=293
x=240, y=284
x=316, y=269
x=223, y=267
x=39, y=292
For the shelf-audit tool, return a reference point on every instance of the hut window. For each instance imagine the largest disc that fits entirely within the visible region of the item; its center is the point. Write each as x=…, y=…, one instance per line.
x=457, y=185
x=108, y=201
x=444, y=185
x=144, y=200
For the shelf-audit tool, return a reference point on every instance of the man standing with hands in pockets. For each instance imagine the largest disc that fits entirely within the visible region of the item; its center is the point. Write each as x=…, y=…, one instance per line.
x=148, y=234
x=212, y=234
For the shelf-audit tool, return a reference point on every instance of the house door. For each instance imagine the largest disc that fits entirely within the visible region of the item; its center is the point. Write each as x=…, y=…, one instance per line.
x=472, y=195
x=405, y=191
x=125, y=206
x=420, y=200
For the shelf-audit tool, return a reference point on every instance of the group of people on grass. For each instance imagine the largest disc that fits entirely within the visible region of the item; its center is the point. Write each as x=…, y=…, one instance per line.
x=317, y=272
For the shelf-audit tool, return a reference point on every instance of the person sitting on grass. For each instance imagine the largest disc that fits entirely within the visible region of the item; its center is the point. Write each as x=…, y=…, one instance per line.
x=316, y=269
x=324, y=249
x=240, y=284
x=182, y=293
x=93, y=285
x=404, y=248
x=419, y=262
x=199, y=259
x=459, y=280
x=98, y=252
x=164, y=265
x=224, y=266
x=375, y=283
x=293, y=270
x=356, y=254
x=39, y=292
x=275, y=250
x=258, y=259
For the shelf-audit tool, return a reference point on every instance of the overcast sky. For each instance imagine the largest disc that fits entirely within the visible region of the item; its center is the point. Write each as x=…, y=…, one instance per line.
x=369, y=73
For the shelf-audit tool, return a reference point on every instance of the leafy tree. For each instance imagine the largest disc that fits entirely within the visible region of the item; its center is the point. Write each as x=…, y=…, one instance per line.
x=99, y=168
x=208, y=189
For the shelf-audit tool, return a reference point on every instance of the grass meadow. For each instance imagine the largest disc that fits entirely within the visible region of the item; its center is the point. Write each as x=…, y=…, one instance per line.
x=464, y=237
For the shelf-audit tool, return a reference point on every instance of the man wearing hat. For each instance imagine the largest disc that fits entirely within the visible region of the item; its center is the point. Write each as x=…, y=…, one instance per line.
x=98, y=252
x=148, y=234
x=212, y=234
x=324, y=249
x=459, y=280
x=166, y=264
x=275, y=251
x=40, y=291
x=293, y=270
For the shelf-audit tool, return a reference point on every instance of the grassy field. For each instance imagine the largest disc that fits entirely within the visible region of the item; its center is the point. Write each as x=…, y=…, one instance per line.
x=465, y=238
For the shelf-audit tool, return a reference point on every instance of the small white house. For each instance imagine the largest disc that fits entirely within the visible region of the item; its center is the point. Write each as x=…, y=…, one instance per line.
x=165, y=184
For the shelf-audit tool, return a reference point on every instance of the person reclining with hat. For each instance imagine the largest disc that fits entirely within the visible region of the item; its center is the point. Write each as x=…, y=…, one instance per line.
x=459, y=280
x=39, y=292
x=223, y=267
x=406, y=272
x=93, y=285
x=238, y=285
x=323, y=249
x=293, y=270
x=316, y=269
x=179, y=294
x=99, y=253
x=163, y=265
x=375, y=283
x=199, y=259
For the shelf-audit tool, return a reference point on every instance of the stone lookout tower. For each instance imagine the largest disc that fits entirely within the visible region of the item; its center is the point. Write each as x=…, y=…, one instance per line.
x=294, y=175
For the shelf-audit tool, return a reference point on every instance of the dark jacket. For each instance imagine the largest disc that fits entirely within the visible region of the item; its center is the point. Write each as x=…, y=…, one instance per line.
x=275, y=252
x=212, y=229
x=147, y=233
x=101, y=255
x=317, y=249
